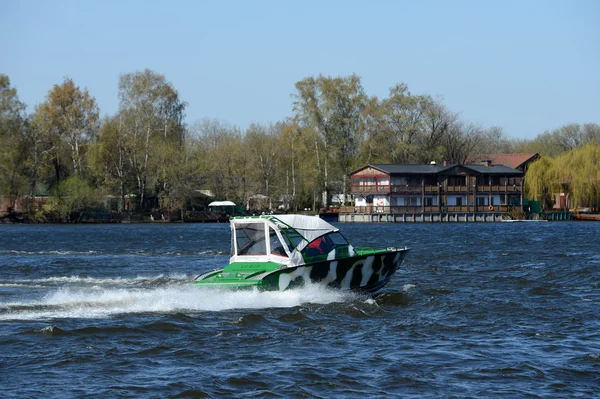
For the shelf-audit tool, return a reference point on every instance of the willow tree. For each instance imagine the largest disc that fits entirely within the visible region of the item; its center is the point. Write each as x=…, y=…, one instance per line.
x=539, y=181
x=576, y=173
x=580, y=168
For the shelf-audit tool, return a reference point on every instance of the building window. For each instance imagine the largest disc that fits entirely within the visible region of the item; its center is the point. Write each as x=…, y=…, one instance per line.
x=428, y=201
x=399, y=180
x=480, y=201
x=459, y=201
x=457, y=180
x=431, y=181
x=383, y=181
x=412, y=201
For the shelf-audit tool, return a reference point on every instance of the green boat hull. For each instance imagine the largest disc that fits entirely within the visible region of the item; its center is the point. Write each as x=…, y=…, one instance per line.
x=368, y=271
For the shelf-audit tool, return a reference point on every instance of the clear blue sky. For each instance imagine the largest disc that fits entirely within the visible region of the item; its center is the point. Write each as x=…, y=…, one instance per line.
x=526, y=66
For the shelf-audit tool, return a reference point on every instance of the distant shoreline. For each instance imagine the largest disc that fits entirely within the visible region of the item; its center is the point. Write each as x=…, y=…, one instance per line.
x=116, y=218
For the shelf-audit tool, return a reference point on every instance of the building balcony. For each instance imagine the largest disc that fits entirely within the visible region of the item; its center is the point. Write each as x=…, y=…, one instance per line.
x=406, y=188
x=456, y=189
x=498, y=189
x=433, y=189
x=369, y=209
x=370, y=189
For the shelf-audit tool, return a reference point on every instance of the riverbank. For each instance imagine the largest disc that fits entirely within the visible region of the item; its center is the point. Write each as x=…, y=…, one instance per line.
x=96, y=217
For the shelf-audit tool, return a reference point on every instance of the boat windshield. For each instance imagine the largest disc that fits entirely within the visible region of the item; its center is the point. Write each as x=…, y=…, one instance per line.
x=325, y=244
x=275, y=245
x=250, y=239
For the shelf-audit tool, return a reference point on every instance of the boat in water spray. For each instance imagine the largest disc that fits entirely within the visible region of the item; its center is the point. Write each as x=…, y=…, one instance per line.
x=282, y=252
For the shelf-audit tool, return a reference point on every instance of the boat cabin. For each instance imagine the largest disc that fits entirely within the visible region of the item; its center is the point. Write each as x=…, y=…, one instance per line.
x=285, y=239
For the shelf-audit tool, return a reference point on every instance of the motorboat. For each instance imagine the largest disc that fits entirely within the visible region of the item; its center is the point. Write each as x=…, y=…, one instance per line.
x=282, y=252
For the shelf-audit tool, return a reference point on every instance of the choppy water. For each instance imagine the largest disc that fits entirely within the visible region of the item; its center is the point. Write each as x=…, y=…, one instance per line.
x=478, y=310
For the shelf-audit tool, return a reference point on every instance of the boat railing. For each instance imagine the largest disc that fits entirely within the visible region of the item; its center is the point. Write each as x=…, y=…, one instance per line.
x=374, y=250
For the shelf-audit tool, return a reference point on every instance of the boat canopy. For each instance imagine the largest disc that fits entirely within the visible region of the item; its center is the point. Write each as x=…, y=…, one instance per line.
x=310, y=227
x=287, y=236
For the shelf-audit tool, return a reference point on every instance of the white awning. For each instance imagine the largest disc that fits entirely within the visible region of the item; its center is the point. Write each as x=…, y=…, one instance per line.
x=221, y=203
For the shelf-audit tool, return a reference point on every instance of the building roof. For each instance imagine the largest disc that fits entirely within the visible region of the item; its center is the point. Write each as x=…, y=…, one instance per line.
x=437, y=169
x=410, y=169
x=511, y=160
x=494, y=169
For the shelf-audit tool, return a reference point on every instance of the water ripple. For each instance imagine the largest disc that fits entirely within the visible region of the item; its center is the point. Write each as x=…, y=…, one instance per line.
x=478, y=310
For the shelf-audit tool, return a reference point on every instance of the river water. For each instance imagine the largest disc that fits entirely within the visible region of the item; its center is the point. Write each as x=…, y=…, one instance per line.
x=502, y=310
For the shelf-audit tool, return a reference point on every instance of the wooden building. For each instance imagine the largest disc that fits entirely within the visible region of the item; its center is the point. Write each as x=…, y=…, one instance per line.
x=434, y=192
x=21, y=204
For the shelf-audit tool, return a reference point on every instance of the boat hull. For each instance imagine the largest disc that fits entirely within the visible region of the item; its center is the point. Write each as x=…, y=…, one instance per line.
x=367, y=273
x=587, y=216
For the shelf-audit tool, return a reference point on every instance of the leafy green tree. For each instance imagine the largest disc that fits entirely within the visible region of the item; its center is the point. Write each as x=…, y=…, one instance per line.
x=183, y=170
x=558, y=141
x=225, y=161
x=13, y=125
x=437, y=123
x=71, y=116
x=576, y=172
x=459, y=141
x=152, y=118
x=333, y=107
x=38, y=155
x=109, y=160
x=402, y=115
x=72, y=197
x=264, y=145
x=298, y=170
x=493, y=140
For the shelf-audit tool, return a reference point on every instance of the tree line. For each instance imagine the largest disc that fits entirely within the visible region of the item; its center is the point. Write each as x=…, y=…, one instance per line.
x=147, y=153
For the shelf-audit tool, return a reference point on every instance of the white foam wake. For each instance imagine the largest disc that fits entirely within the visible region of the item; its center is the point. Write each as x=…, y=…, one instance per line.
x=102, y=303
x=94, y=281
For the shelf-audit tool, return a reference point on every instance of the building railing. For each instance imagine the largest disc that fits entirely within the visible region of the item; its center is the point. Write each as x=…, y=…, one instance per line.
x=406, y=188
x=499, y=189
x=370, y=189
x=456, y=189
x=432, y=189
x=425, y=209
